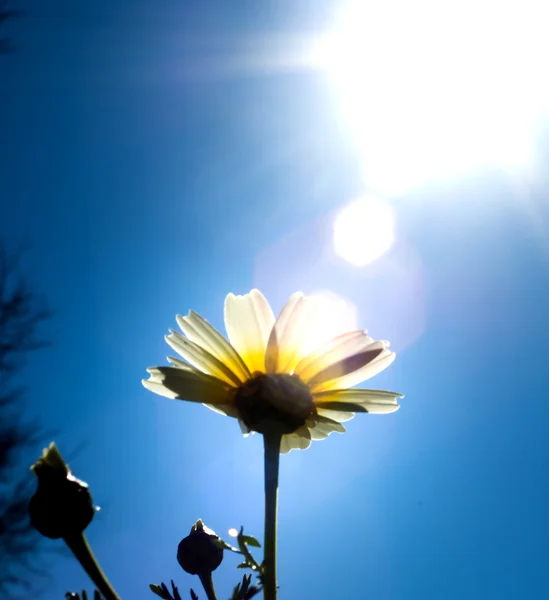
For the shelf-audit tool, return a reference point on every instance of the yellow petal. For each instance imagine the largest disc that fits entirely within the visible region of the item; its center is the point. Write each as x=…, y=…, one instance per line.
x=187, y=384
x=291, y=333
x=201, y=359
x=276, y=338
x=371, y=369
x=199, y=331
x=249, y=321
x=371, y=401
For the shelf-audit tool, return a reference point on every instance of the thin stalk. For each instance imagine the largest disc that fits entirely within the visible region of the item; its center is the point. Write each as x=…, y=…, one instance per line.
x=272, y=458
x=83, y=553
x=207, y=583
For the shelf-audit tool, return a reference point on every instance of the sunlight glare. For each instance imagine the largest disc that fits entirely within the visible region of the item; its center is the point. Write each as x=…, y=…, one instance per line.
x=432, y=90
x=330, y=314
x=233, y=532
x=364, y=231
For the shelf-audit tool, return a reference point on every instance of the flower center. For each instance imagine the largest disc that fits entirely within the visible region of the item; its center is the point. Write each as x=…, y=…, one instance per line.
x=274, y=403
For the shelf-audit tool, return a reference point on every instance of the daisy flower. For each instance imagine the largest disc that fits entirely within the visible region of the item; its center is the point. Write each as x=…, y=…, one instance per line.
x=266, y=375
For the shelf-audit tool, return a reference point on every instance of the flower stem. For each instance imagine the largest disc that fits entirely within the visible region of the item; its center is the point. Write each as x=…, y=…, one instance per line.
x=207, y=583
x=272, y=458
x=83, y=553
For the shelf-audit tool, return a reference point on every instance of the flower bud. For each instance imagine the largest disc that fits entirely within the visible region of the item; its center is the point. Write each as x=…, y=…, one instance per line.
x=62, y=505
x=200, y=552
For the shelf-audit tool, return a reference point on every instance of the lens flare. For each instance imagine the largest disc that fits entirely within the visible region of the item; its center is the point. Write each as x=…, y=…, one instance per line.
x=364, y=231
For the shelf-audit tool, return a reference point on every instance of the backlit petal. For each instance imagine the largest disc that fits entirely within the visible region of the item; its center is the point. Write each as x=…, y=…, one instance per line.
x=381, y=362
x=327, y=354
x=290, y=333
x=298, y=440
x=320, y=427
x=199, y=331
x=224, y=409
x=357, y=400
x=201, y=358
x=244, y=428
x=187, y=384
x=276, y=338
x=354, y=355
x=249, y=321
x=335, y=415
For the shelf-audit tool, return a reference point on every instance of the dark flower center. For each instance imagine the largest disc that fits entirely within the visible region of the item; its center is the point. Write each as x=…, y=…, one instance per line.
x=274, y=403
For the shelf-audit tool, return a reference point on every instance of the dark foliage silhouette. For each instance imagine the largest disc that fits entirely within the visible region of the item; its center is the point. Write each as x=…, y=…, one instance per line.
x=6, y=13
x=22, y=314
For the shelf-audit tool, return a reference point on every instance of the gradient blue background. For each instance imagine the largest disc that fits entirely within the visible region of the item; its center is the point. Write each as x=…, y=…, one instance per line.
x=155, y=159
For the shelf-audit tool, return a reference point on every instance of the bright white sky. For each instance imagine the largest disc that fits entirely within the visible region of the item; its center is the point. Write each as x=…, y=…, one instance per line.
x=433, y=89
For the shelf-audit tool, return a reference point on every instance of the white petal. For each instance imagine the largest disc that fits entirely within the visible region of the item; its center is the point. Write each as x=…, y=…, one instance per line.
x=341, y=360
x=224, y=409
x=298, y=440
x=371, y=401
x=335, y=415
x=249, y=321
x=320, y=427
x=290, y=333
x=244, y=428
x=201, y=359
x=184, y=366
x=371, y=369
x=332, y=351
x=199, y=331
x=173, y=382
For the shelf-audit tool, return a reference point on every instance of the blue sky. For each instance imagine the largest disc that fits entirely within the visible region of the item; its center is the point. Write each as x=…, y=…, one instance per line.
x=155, y=159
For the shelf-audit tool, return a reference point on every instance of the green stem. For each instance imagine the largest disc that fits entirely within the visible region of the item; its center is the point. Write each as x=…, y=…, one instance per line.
x=272, y=458
x=207, y=583
x=83, y=553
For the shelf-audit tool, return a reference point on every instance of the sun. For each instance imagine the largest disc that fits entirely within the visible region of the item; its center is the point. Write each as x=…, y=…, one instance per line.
x=433, y=90
x=363, y=231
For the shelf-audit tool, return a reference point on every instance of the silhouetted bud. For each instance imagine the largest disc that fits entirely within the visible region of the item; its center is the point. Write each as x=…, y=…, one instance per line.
x=62, y=505
x=200, y=552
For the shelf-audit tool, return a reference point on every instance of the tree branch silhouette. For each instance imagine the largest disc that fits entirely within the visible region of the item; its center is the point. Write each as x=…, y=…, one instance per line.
x=22, y=314
x=6, y=45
